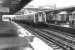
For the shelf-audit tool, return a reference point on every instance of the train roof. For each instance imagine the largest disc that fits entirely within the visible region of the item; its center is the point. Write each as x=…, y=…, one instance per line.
x=63, y=12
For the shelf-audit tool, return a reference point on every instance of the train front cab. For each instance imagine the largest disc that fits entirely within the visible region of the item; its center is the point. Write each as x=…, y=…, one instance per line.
x=40, y=18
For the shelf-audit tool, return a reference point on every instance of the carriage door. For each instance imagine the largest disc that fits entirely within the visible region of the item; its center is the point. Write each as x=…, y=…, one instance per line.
x=39, y=17
x=36, y=18
x=44, y=17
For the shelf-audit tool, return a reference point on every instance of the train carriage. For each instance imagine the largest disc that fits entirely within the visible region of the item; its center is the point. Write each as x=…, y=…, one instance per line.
x=36, y=18
x=50, y=18
x=61, y=17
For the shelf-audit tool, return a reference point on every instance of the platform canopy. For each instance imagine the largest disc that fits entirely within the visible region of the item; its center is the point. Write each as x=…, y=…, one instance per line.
x=62, y=12
x=12, y=6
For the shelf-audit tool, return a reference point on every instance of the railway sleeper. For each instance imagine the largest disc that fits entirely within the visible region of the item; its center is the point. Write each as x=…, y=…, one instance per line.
x=59, y=40
x=54, y=46
x=60, y=34
x=63, y=42
x=55, y=41
x=69, y=41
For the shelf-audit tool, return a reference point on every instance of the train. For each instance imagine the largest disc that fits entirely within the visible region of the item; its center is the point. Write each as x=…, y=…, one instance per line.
x=43, y=17
x=35, y=18
x=61, y=18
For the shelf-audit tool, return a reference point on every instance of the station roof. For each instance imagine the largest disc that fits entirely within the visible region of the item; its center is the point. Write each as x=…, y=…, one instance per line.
x=63, y=12
x=67, y=9
x=11, y=6
x=38, y=9
x=71, y=8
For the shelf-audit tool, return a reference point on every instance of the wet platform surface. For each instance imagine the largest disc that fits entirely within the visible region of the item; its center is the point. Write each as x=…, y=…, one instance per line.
x=9, y=36
x=38, y=44
x=7, y=29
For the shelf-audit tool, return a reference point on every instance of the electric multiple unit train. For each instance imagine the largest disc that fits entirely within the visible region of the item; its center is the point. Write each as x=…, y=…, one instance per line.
x=38, y=17
x=44, y=17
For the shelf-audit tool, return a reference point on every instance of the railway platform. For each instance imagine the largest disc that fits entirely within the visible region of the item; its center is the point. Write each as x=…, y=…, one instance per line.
x=11, y=38
x=15, y=37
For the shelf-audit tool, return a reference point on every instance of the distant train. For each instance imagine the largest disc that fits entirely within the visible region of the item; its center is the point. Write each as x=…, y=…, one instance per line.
x=60, y=18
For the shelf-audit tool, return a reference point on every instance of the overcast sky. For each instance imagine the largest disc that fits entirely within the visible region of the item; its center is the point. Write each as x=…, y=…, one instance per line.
x=59, y=3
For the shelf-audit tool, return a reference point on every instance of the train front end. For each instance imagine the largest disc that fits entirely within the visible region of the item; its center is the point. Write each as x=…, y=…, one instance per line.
x=40, y=18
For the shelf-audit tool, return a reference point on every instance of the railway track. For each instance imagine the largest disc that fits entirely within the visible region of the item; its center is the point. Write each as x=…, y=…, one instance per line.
x=68, y=36
x=64, y=30
x=60, y=41
x=50, y=42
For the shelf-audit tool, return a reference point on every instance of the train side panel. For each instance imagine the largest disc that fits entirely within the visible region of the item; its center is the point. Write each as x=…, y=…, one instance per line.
x=39, y=17
x=24, y=18
x=29, y=18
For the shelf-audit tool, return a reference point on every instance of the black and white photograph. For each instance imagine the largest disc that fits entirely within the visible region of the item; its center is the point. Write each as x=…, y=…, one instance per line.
x=37, y=24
